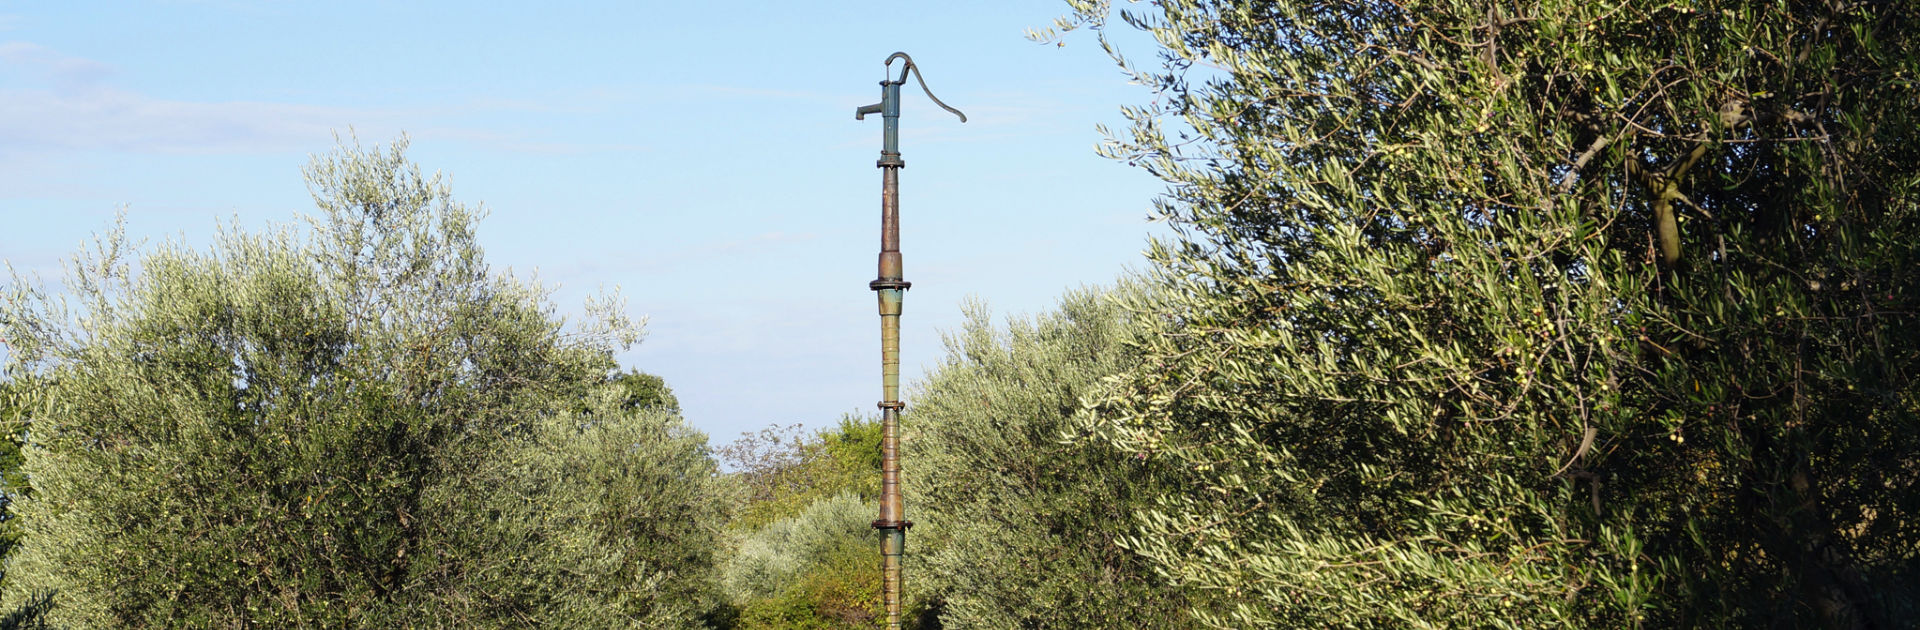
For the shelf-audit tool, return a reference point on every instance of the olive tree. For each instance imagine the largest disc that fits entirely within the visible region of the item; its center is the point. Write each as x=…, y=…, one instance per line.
x=803, y=547
x=1528, y=314
x=1023, y=517
x=358, y=424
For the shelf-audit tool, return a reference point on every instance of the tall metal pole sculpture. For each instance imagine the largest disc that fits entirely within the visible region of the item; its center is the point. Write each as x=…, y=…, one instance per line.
x=892, y=289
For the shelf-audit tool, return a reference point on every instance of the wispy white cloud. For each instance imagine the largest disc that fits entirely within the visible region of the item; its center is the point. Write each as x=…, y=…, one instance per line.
x=757, y=93
x=70, y=105
x=106, y=118
x=539, y=147
x=690, y=255
x=63, y=70
x=51, y=102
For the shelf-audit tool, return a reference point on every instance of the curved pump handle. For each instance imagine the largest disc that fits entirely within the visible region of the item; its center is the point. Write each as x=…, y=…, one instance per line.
x=861, y=113
x=910, y=67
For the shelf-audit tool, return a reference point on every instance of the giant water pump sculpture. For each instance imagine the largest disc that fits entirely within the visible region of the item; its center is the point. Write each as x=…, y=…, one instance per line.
x=892, y=287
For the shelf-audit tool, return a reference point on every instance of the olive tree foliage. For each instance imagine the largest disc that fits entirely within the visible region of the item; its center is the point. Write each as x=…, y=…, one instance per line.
x=30, y=612
x=780, y=470
x=645, y=391
x=13, y=481
x=605, y=519
x=355, y=425
x=774, y=558
x=803, y=551
x=1022, y=517
x=770, y=468
x=1530, y=314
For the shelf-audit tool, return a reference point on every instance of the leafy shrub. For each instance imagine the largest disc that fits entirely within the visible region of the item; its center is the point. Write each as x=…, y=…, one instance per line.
x=784, y=469
x=1538, y=314
x=600, y=520
x=355, y=426
x=816, y=567
x=805, y=553
x=1023, y=519
x=770, y=559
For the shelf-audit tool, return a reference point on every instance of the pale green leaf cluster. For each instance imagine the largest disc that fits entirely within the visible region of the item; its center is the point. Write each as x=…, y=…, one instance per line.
x=1022, y=519
x=608, y=518
x=1536, y=314
x=803, y=552
x=356, y=425
x=769, y=559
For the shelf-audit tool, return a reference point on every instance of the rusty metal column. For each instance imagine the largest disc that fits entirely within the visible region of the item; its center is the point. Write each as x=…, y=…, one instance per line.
x=891, y=287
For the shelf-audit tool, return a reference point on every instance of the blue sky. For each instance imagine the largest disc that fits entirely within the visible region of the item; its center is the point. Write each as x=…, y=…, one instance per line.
x=702, y=156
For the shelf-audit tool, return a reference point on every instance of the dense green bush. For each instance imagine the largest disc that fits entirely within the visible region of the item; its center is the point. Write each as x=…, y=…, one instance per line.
x=795, y=572
x=29, y=612
x=13, y=480
x=1551, y=313
x=781, y=470
x=640, y=390
x=605, y=519
x=804, y=553
x=358, y=425
x=768, y=559
x=1022, y=518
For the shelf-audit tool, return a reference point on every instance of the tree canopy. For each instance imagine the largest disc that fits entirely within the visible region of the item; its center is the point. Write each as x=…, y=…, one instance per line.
x=1023, y=520
x=1530, y=314
x=355, y=425
x=803, y=548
